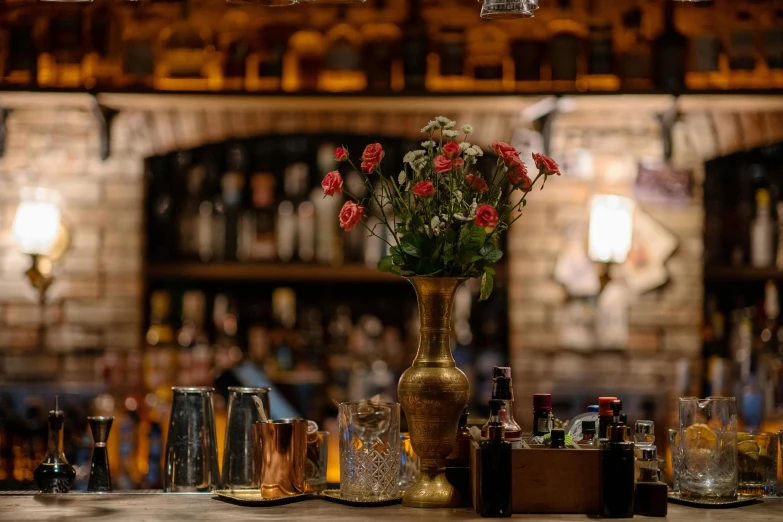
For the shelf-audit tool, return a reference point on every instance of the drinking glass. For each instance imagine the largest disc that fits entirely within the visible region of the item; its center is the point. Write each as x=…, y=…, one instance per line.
x=240, y=469
x=757, y=463
x=369, y=450
x=283, y=451
x=674, y=448
x=317, y=458
x=191, y=450
x=507, y=9
x=409, y=462
x=708, y=448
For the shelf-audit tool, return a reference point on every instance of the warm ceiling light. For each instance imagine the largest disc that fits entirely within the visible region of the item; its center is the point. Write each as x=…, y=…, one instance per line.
x=611, y=225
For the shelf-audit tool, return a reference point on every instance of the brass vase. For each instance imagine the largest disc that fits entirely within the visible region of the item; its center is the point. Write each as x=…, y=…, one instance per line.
x=433, y=392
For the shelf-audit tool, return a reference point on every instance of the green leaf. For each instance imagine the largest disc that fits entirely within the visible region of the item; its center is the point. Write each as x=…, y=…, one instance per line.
x=474, y=239
x=487, y=284
x=491, y=253
x=412, y=244
x=385, y=264
x=467, y=257
x=396, y=270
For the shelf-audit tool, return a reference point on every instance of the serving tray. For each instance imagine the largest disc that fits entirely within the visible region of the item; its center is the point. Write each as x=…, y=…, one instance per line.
x=253, y=498
x=710, y=503
x=333, y=495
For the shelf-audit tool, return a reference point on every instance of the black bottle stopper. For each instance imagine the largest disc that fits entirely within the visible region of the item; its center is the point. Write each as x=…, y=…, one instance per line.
x=55, y=474
x=558, y=438
x=100, y=476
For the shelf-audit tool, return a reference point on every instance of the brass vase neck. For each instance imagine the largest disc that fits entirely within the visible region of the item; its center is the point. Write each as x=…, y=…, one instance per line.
x=435, y=296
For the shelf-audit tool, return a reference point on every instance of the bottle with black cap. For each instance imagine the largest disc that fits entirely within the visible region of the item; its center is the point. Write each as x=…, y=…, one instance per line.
x=588, y=433
x=651, y=498
x=495, y=456
x=617, y=470
x=503, y=390
x=557, y=439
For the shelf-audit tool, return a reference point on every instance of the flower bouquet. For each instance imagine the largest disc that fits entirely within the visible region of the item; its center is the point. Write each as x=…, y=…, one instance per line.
x=447, y=217
x=443, y=220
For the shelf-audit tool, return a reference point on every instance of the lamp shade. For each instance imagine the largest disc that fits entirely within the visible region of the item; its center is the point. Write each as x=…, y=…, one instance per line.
x=37, y=220
x=611, y=226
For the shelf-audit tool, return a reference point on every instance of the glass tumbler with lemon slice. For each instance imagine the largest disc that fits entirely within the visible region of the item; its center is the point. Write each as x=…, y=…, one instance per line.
x=708, y=448
x=757, y=463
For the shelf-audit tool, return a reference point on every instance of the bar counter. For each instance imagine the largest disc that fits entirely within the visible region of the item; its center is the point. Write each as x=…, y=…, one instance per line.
x=118, y=507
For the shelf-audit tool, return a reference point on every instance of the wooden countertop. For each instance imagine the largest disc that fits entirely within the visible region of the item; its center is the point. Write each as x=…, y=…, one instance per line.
x=117, y=507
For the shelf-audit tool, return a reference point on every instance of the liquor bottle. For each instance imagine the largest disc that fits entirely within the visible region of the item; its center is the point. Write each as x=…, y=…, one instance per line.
x=54, y=474
x=446, y=67
x=528, y=55
x=773, y=48
x=600, y=54
x=542, y=417
x=20, y=60
x=103, y=62
x=762, y=233
x=285, y=340
x=588, y=433
x=139, y=36
x=265, y=62
x=415, y=48
x=296, y=180
x=185, y=56
x=328, y=242
x=225, y=349
x=742, y=51
x=160, y=354
x=233, y=45
x=495, y=478
x=262, y=189
x=669, y=53
x=488, y=60
x=303, y=60
x=460, y=455
x=194, y=355
x=189, y=210
x=60, y=65
x=557, y=439
x=565, y=48
x=381, y=54
x=502, y=390
x=635, y=63
x=232, y=182
x=343, y=60
x=604, y=414
x=651, y=495
x=705, y=71
x=617, y=468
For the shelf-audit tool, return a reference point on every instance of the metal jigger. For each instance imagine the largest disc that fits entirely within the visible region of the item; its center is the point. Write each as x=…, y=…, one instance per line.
x=100, y=476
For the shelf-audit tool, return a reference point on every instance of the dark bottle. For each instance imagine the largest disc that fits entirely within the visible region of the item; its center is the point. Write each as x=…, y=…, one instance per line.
x=558, y=439
x=495, y=479
x=600, y=55
x=604, y=415
x=617, y=468
x=22, y=59
x=232, y=183
x=451, y=49
x=588, y=432
x=742, y=47
x=542, y=417
x=528, y=56
x=55, y=474
x=651, y=498
x=635, y=59
x=564, y=45
x=460, y=455
x=415, y=47
x=162, y=237
x=773, y=42
x=670, y=50
x=100, y=475
x=381, y=41
x=502, y=390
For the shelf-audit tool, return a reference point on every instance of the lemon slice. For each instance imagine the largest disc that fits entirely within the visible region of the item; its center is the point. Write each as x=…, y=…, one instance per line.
x=743, y=435
x=700, y=436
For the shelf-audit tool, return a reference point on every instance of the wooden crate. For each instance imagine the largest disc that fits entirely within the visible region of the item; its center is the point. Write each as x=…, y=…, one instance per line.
x=548, y=480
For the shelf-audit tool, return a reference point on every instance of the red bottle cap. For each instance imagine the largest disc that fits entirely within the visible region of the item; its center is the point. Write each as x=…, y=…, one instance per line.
x=542, y=402
x=605, y=406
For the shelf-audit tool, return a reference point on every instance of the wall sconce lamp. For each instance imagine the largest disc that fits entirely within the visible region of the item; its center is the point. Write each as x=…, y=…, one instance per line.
x=610, y=231
x=40, y=233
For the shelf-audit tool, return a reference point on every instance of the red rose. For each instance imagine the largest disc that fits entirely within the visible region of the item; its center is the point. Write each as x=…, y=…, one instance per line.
x=368, y=166
x=451, y=150
x=486, y=217
x=519, y=178
x=350, y=215
x=476, y=183
x=545, y=164
x=373, y=153
x=501, y=149
x=332, y=183
x=423, y=189
x=512, y=160
x=340, y=154
x=442, y=164
x=457, y=162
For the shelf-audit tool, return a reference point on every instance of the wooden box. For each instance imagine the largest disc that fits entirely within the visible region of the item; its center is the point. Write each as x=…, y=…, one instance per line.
x=548, y=480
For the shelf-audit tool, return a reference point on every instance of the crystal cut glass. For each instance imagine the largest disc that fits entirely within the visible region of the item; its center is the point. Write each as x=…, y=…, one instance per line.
x=507, y=9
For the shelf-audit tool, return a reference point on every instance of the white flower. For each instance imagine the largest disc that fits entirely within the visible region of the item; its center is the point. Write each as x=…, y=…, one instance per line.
x=418, y=163
x=467, y=129
x=450, y=133
x=460, y=217
x=470, y=151
x=442, y=120
x=450, y=125
x=419, y=153
x=435, y=222
x=458, y=195
x=401, y=178
x=409, y=157
x=428, y=144
x=478, y=150
x=464, y=146
x=427, y=229
x=430, y=126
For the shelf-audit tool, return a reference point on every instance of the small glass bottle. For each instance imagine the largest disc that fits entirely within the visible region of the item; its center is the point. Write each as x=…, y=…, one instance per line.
x=604, y=415
x=502, y=390
x=495, y=479
x=762, y=233
x=542, y=417
x=55, y=474
x=588, y=433
x=617, y=468
x=644, y=432
x=558, y=439
x=651, y=496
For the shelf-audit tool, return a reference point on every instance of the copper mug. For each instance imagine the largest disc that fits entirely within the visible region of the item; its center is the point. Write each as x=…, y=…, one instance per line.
x=281, y=447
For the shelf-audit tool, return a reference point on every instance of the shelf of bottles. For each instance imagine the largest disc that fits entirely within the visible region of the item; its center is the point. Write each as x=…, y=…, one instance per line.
x=393, y=45
x=743, y=332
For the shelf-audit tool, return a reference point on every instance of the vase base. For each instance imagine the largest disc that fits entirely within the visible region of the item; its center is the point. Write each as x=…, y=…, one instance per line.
x=432, y=490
